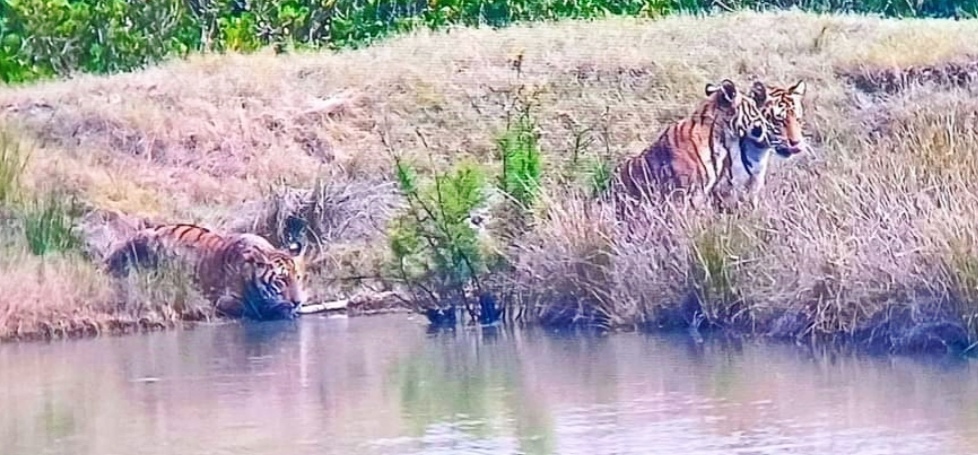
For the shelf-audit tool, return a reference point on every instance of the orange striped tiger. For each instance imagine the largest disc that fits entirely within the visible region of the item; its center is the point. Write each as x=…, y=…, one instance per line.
x=241, y=274
x=782, y=110
x=692, y=155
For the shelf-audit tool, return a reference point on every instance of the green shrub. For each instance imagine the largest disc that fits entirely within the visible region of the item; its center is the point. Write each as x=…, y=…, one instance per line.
x=46, y=38
x=519, y=150
x=48, y=224
x=435, y=245
x=598, y=176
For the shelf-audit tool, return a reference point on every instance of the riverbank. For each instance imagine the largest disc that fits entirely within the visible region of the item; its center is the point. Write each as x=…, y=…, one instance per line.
x=874, y=224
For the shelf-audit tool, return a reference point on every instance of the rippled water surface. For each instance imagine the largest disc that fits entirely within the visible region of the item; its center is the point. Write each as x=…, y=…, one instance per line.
x=381, y=385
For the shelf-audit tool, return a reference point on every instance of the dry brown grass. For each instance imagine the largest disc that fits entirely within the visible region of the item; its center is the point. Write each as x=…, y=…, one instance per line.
x=60, y=296
x=880, y=215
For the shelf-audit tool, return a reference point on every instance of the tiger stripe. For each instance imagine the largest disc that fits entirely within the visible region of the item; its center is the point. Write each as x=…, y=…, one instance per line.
x=243, y=275
x=692, y=155
x=782, y=110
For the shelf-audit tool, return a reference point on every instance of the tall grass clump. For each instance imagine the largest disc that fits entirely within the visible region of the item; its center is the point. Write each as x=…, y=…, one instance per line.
x=164, y=294
x=47, y=220
x=13, y=162
x=49, y=224
x=719, y=250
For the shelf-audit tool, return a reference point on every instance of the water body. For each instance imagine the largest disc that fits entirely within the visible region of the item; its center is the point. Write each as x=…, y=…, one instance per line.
x=382, y=385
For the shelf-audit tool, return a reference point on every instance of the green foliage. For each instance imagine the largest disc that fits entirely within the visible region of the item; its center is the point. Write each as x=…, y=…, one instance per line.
x=46, y=38
x=519, y=150
x=597, y=173
x=13, y=161
x=434, y=240
x=48, y=223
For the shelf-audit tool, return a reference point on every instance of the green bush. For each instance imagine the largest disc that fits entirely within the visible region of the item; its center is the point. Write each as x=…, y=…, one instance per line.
x=47, y=38
x=519, y=150
x=436, y=247
x=48, y=224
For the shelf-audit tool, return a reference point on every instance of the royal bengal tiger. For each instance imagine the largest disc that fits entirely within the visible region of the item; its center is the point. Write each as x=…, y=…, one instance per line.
x=242, y=274
x=782, y=109
x=690, y=156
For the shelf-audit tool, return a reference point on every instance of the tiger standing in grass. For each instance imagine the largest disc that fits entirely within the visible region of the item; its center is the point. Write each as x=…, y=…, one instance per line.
x=243, y=275
x=691, y=156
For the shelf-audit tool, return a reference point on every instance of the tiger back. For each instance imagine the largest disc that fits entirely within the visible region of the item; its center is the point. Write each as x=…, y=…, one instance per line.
x=689, y=156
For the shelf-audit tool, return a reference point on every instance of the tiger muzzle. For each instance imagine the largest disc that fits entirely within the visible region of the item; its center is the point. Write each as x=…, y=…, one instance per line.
x=790, y=148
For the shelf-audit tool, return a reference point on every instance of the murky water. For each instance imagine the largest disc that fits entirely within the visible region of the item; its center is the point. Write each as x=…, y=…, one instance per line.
x=381, y=385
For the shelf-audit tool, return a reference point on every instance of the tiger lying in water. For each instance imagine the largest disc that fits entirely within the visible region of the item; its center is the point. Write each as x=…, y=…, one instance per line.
x=243, y=275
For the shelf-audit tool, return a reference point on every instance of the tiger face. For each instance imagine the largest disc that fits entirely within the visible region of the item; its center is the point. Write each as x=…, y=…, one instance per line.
x=747, y=120
x=783, y=108
x=276, y=285
x=750, y=123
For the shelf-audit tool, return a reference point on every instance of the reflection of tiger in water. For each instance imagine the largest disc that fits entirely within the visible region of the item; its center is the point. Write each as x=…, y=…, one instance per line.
x=241, y=274
x=693, y=155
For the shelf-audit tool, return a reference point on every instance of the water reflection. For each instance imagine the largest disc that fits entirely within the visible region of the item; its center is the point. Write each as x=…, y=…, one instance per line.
x=386, y=385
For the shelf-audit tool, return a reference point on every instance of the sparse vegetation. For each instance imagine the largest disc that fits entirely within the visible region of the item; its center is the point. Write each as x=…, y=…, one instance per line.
x=867, y=238
x=50, y=289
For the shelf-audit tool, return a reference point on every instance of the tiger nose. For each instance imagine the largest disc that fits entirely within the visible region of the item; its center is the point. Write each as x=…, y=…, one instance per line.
x=757, y=131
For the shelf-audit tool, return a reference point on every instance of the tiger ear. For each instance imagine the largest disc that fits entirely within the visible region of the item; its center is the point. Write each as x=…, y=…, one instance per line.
x=294, y=226
x=798, y=90
x=727, y=86
x=711, y=88
x=758, y=92
x=728, y=92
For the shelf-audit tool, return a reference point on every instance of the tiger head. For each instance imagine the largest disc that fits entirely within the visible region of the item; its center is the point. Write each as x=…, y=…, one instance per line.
x=750, y=123
x=276, y=284
x=783, y=108
x=746, y=119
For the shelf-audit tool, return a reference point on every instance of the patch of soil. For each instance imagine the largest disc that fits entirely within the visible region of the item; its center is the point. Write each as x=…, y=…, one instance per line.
x=893, y=80
x=623, y=76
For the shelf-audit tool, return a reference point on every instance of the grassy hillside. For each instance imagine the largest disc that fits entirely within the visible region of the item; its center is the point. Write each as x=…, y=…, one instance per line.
x=875, y=226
